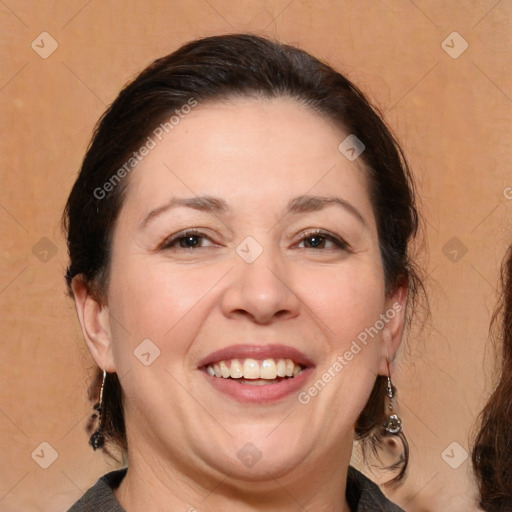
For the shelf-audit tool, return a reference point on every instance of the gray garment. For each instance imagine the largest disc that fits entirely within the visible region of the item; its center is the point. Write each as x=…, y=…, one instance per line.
x=100, y=497
x=362, y=495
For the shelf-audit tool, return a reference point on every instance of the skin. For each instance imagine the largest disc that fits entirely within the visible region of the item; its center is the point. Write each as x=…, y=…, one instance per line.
x=183, y=434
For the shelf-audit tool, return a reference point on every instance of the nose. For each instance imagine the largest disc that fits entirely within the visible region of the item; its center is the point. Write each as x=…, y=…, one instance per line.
x=261, y=291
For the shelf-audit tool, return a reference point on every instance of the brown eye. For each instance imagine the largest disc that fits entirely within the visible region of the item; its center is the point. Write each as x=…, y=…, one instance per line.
x=314, y=241
x=187, y=240
x=322, y=240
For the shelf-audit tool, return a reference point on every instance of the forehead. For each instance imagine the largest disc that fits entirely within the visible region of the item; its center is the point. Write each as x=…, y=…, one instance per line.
x=266, y=149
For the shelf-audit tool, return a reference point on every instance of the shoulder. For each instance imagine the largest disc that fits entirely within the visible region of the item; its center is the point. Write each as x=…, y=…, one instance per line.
x=365, y=496
x=100, y=497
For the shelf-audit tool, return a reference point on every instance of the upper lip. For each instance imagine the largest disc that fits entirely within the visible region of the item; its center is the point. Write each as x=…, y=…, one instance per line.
x=257, y=352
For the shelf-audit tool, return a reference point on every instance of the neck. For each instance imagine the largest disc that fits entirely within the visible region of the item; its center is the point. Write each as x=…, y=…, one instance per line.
x=158, y=485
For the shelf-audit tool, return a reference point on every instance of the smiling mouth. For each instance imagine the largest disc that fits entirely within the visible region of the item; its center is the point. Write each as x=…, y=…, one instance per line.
x=255, y=372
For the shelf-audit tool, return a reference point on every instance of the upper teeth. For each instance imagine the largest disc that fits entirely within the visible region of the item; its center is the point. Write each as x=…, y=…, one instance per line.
x=254, y=369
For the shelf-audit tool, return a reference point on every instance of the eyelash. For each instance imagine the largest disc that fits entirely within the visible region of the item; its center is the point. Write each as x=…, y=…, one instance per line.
x=337, y=241
x=172, y=241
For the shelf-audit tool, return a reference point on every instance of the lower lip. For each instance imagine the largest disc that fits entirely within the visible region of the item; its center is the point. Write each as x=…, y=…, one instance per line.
x=259, y=394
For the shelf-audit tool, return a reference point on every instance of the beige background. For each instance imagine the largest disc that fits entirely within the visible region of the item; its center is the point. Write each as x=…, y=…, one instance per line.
x=452, y=115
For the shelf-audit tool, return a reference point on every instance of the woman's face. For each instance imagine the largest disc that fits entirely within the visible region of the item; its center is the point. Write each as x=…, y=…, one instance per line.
x=247, y=247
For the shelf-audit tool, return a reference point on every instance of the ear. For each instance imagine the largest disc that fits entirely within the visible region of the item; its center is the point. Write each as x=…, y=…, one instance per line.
x=95, y=322
x=393, y=329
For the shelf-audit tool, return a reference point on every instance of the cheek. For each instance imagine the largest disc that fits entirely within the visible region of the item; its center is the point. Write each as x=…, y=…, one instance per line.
x=346, y=305
x=156, y=300
x=345, y=300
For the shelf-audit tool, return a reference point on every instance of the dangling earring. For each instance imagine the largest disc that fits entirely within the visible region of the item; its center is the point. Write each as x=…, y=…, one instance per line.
x=97, y=440
x=393, y=423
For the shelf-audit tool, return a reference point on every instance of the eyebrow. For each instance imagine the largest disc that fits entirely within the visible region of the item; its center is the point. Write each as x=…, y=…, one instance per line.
x=308, y=203
x=202, y=203
x=301, y=204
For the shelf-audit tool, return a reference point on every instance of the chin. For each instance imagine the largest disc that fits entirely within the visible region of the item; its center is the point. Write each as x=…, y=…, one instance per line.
x=258, y=452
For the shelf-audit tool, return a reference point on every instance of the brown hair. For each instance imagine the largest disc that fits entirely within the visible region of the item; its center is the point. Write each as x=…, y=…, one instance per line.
x=492, y=452
x=217, y=68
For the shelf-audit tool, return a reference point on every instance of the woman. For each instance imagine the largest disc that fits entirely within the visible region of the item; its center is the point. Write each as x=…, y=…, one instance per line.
x=492, y=453
x=238, y=238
